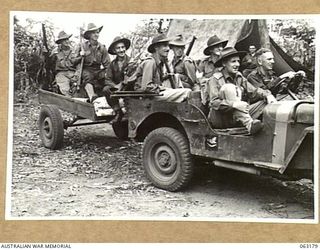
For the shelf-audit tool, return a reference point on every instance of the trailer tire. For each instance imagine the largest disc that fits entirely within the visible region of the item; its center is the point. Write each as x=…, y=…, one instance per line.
x=120, y=129
x=167, y=159
x=51, y=127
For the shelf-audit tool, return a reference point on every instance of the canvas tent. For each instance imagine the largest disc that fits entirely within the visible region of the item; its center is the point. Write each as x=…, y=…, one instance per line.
x=240, y=34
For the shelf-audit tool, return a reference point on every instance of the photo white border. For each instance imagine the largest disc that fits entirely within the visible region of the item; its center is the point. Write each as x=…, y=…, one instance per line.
x=8, y=198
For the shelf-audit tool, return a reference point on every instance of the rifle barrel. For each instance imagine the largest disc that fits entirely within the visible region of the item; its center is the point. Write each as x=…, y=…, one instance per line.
x=170, y=75
x=191, y=45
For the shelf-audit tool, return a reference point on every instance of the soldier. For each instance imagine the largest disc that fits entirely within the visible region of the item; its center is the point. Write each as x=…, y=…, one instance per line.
x=229, y=91
x=152, y=76
x=206, y=67
x=249, y=62
x=183, y=65
x=213, y=50
x=65, y=63
x=117, y=73
x=264, y=77
x=95, y=56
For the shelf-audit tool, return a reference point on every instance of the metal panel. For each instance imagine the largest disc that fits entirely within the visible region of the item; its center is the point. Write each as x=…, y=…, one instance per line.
x=83, y=109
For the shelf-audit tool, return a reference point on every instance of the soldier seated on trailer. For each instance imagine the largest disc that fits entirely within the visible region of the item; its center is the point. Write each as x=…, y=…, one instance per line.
x=117, y=74
x=95, y=62
x=229, y=92
x=65, y=62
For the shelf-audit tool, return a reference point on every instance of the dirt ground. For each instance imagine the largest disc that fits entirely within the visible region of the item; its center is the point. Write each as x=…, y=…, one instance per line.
x=97, y=175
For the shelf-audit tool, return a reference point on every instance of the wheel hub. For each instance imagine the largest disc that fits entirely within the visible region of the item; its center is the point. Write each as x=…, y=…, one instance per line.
x=47, y=127
x=165, y=159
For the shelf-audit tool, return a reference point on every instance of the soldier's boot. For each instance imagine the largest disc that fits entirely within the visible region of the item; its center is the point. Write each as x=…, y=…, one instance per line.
x=252, y=125
x=255, y=127
x=232, y=93
x=90, y=92
x=119, y=114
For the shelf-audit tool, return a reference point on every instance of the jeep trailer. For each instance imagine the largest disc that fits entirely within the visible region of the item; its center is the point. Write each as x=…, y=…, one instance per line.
x=175, y=134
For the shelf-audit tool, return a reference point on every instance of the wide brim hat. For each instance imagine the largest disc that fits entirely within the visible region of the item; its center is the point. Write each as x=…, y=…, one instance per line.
x=178, y=41
x=157, y=40
x=91, y=27
x=62, y=36
x=117, y=40
x=227, y=53
x=214, y=41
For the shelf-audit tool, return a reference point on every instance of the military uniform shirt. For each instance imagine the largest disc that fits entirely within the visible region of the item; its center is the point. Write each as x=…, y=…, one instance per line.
x=186, y=68
x=95, y=56
x=248, y=91
x=149, y=74
x=207, y=67
x=249, y=62
x=264, y=81
x=115, y=74
x=65, y=60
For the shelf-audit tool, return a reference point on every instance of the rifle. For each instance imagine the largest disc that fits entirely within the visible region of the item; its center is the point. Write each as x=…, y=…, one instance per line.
x=45, y=52
x=76, y=86
x=170, y=75
x=194, y=38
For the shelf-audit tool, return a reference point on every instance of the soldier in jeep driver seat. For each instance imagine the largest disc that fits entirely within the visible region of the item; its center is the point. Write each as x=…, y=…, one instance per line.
x=229, y=92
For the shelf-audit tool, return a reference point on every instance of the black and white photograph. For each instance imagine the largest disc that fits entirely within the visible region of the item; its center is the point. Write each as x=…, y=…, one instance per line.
x=163, y=117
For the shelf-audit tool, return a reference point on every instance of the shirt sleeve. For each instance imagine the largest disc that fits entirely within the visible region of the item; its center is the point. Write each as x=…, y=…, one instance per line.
x=201, y=67
x=191, y=72
x=254, y=94
x=258, y=83
x=105, y=58
x=147, y=83
x=109, y=76
x=255, y=80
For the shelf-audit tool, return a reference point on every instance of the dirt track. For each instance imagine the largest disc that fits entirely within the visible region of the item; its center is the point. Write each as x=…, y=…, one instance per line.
x=96, y=174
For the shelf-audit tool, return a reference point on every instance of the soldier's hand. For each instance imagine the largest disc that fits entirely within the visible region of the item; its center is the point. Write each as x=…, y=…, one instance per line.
x=302, y=73
x=82, y=53
x=289, y=75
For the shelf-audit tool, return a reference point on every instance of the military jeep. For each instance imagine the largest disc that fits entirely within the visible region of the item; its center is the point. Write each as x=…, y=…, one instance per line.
x=175, y=134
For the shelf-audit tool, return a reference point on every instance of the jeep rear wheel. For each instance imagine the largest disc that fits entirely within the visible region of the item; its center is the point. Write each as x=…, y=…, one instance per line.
x=51, y=127
x=167, y=159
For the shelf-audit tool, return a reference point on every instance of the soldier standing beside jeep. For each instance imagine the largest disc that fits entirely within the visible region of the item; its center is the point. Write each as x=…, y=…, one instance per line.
x=227, y=89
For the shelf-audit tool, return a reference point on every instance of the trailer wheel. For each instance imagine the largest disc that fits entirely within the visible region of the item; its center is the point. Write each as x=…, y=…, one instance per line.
x=167, y=159
x=51, y=127
x=121, y=129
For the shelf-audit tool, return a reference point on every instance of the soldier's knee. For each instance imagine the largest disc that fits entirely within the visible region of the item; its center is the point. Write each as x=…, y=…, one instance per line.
x=230, y=92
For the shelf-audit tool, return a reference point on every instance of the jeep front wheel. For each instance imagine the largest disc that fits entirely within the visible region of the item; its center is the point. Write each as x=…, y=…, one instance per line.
x=167, y=159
